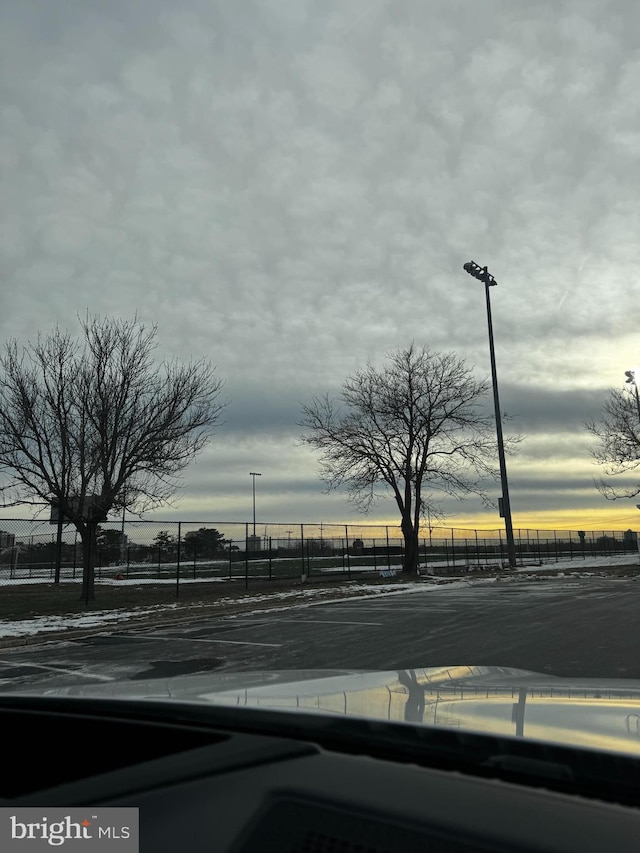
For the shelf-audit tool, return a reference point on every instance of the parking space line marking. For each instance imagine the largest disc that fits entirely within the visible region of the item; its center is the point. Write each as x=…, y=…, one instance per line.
x=59, y=669
x=424, y=609
x=325, y=622
x=419, y=608
x=195, y=640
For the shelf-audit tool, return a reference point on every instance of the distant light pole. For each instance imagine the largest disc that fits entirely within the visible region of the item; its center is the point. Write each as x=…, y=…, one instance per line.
x=254, y=474
x=122, y=548
x=631, y=380
x=482, y=274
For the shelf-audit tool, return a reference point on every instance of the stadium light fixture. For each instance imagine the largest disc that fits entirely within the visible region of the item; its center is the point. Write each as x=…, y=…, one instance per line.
x=631, y=380
x=481, y=273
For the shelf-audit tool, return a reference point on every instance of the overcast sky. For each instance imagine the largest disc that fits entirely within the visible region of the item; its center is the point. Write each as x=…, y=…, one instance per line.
x=290, y=188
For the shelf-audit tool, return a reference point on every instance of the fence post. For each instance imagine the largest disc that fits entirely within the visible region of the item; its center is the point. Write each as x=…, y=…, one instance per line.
x=195, y=552
x=14, y=563
x=246, y=555
x=270, y=558
x=230, y=554
x=453, y=550
x=302, y=573
x=56, y=577
x=178, y=560
x=375, y=560
x=388, y=554
x=346, y=539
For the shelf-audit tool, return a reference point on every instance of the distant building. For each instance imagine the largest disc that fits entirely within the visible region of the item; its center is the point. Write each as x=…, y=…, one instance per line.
x=254, y=543
x=7, y=540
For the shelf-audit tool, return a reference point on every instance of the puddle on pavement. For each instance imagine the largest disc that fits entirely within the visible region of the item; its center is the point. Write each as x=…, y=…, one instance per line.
x=171, y=668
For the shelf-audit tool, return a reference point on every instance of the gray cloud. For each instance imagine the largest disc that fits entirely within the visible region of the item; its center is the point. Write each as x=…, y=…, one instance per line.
x=291, y=189
x=539, y=409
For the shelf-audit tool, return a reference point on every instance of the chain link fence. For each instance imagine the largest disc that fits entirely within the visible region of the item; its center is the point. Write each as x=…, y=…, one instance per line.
x=181, y=552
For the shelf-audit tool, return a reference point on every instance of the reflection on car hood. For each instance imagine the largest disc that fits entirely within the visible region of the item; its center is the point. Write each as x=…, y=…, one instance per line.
x=596, y=713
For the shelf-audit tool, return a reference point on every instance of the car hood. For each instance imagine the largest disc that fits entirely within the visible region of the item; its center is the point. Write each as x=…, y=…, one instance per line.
x=593, y=713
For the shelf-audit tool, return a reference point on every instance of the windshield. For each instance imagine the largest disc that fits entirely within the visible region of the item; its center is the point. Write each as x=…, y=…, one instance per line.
x=319, y=354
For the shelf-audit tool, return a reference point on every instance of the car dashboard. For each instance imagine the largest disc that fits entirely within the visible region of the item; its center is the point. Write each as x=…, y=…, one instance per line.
x=211, y=779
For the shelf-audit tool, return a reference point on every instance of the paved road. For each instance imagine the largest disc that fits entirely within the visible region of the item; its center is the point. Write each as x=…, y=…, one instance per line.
x=580, y=627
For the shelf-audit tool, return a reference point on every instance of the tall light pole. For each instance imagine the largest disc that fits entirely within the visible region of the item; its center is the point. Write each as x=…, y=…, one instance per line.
x=254, y=474
x=482, y=274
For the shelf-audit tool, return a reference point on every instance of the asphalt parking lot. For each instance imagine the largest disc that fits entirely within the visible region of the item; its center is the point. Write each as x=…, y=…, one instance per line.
x=585, y=627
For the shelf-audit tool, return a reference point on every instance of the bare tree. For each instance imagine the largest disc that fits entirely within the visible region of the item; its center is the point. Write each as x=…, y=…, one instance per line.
x=415, y=425
x=95, y=425
x=618, y=433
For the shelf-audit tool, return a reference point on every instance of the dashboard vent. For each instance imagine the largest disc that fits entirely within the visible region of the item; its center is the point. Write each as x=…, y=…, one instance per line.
x=291, y=826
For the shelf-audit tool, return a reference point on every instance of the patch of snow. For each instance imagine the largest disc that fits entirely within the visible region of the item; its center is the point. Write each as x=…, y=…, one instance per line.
x=97, y=619
x=589, y=562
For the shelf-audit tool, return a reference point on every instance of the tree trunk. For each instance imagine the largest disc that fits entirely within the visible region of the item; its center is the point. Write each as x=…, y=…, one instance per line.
x=410, y=559
x=88, y=535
